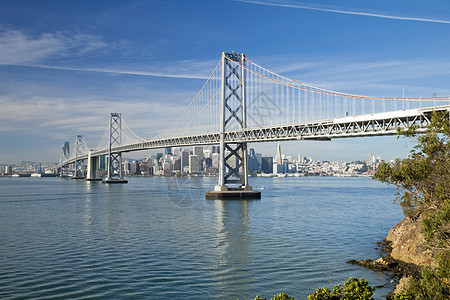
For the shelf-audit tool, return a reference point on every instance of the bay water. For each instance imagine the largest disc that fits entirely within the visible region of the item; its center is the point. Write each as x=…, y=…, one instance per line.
x=159, y=238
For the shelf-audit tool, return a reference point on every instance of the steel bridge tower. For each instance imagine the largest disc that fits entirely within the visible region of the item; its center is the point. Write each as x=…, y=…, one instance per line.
x=79, y=163
x=114, y=159
x=233, y=116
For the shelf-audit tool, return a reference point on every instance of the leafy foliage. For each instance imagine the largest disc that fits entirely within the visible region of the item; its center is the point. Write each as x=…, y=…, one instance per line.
x=279, y=296
x=423, y=188
x=354, y=289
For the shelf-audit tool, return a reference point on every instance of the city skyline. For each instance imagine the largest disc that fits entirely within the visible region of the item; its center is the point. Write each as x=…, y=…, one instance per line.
x=65, y=65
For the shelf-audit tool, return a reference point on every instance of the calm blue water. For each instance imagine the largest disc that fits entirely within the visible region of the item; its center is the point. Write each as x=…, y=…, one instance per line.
x=159, y=238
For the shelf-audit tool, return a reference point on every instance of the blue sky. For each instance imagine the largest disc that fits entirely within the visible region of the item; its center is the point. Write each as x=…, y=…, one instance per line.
x=65, y=65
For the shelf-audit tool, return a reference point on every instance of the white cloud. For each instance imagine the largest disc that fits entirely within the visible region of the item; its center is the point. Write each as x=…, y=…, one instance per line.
x=18, y=48
x=348, y=12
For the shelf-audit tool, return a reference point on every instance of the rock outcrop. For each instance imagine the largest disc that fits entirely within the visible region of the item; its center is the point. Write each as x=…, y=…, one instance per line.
x=407, y=244
x=407, y=253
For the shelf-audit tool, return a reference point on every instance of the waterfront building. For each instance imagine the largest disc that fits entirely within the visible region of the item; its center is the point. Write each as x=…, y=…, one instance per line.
x=370, y=160
x=215, y=160
x=134, y=168
x=66, y=149
x=277, y=168
x=198, y=150
x=259, y=159
x=252, y=162
x=278, y=157
x=184, y=159
x=177, y=164
x=176, y=151
x=267, y=164
x=143, y=167
x=194, y=164
x=102, y=162
x=167, y=166
x=126, y=167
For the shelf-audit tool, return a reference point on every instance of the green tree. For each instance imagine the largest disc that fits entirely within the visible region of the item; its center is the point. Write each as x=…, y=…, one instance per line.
x=423, y=189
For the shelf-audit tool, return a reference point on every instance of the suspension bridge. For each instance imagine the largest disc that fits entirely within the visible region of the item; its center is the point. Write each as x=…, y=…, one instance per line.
x=242, y=102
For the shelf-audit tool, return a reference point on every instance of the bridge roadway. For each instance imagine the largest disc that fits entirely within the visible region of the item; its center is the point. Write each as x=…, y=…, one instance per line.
x=377, y=124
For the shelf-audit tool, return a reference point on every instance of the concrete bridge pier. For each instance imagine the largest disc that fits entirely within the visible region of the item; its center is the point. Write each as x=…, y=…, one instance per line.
x=93, y=168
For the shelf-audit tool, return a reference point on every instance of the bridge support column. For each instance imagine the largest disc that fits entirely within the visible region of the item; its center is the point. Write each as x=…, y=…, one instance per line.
x=233, y=155
x=93, y=168
x=115, y=159
x=79, y=163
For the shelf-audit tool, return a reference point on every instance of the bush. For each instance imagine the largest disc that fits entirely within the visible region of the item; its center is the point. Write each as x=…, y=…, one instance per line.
x=354, y=289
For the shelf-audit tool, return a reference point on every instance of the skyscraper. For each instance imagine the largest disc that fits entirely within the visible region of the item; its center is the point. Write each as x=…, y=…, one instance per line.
x=184, y=159
x=194, y=164
x=66, y=149
x=198, y=150
x=267, y=164
x=278, y=158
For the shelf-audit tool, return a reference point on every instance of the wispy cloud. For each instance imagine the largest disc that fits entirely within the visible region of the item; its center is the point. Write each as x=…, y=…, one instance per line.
x=161, y=73
x=17, y=48
x=348, y=12
x=20, y=49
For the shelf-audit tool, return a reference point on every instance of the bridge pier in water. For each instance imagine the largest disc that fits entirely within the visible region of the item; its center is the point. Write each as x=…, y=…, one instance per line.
x=115, y=159
x=93, y=168
x=233, y=156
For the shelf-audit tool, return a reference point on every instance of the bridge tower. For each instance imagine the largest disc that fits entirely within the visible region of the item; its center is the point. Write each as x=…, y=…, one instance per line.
x=79, y=163
x=233, y=116
x=114, y=159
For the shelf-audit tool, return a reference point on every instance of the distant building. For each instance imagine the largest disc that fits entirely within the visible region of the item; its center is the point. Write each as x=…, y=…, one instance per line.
x=370, y=160
x=168, y=150
x=198, y=150
x=66, y=149
x=277, y=168
x=177, y=164
x=215, y=160
x=126, y=167
x=184, y=159
x=143, y=167
x=176, y=151
x=267, y=164
x=252, y=162
x=102, y=162
x=194, y=164
x=279, y=157
x=134, y=168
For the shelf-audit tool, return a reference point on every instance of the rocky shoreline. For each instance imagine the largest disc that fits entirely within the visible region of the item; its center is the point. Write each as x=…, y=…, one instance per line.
x=406, y=253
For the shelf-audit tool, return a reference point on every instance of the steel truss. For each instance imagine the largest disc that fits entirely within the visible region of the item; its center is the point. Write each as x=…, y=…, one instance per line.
x=380, y=124
x=232, y=154
x=115, y=140
x=79, y=159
